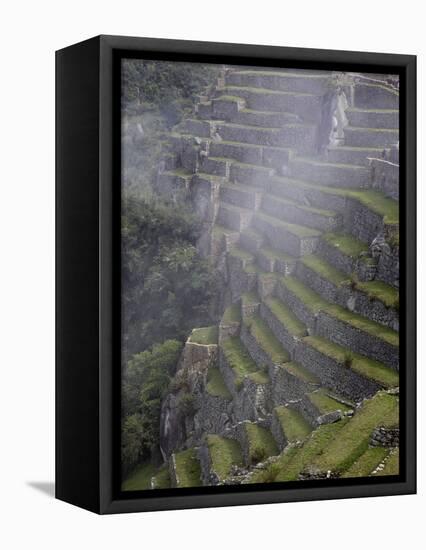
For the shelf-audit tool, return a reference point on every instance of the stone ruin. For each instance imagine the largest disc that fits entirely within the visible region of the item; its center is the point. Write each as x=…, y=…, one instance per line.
x=296, y=181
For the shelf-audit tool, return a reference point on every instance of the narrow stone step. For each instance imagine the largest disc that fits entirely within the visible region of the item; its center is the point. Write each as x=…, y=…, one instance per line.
x=330, y=174
x=241, y=152
x=373, y=118
x=199, y=128
x=226, y=106
x=375, y=96
x=233, y=217
x=217, y=456
x=292, y=239
x=275, y=80
x=289, y=426
x=347, y=373
x=185, y=470
x=174, y=182
x=306, y=106
x=216, y=166
x=266, y=119
x=274, y=261
x=251, y=240
x=325, y=408
x=342, y=251
x=249, y=174
x=245, y=196
x=361, y=156
x=339, y=325
x=370, y=137
x=289, y=211
x=242, y=255
x=287, y=328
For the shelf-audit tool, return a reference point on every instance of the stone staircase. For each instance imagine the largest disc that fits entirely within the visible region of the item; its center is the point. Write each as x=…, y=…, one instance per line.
x=306, y=357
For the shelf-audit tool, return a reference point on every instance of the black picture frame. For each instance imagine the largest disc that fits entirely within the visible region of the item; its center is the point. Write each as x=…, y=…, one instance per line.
x=87, y=273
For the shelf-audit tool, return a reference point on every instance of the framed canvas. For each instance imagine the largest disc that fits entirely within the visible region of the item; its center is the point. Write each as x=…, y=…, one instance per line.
x=236, y=276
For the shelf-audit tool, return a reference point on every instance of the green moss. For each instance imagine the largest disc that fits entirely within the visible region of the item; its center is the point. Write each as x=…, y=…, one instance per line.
x=140, y=478
x=241, y=363
x=272, y=254
x=325, y=404
x=205, y=336
x=260, y=442
x=224, y=453
x=266, y=340
x=324, y=269
x=188, y=469
x=286, y=317
x=162, y=478
x=369, y=368
x=300, y=372
x=353, y=439
x=216, y=385
x=377, y=202
x=293, y=425
x=232, y=314
x=366, y=463
x=378, y=290
x=391, y=465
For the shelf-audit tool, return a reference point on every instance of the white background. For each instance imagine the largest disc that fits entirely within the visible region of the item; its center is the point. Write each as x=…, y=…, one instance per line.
x=30, y=32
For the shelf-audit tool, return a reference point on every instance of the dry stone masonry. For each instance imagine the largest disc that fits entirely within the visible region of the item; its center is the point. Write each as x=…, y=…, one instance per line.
x=295, y=178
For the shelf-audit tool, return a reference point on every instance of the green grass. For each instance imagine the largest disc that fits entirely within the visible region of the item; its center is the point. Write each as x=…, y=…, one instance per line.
x=367, y=462
x=391, y=466
x=241, y=254
x=286, y=317
x=282, y=74
x=347, y=244
x=181, y=172
x=188, y=469
x=272, y=254
x=241, y=363
x=261, y=443
x=223, y=454
x=140, y=478
x=162, y=478
x=216, y=385
x=365, y=366
x=232, y=314
x=353, y=439
x=236, y=89
x=293, y=425
x=250, y=299
x=311, y=299
x=315, y=303
x=307, y=209
x=379, y=291
x=219, y=230
x=229, y=98
x=325, y=404
x=205, y=336
x=324, y=269
x=266, y=340
x=377, y=202
x=298, y=230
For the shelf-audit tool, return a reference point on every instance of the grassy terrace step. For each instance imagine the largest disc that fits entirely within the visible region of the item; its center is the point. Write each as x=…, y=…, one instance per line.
x=251, y=240
x=232, y=314
x=367, y=462
x=205, y=335
x=266, y=340
x=369, y=368
x=224, y=453
x=241, y=363
x=375, y=96
x=273, y=260
x=329, y=173
x=292, y=82
x=391, y=467
x=377, y=290
x=293, y=460
x=286, y=317
x=370, y=137
x=293, y=425
x=290, y=211
x=346, y=244
x=315, y=303
x=234, y=217
x=269, y=119
x=216, y=385
x=241, y=152
x=140, y=478
x=373, y=118
x=188, y=471
x=300, y=231
x=324, y=269
x=353, y=440
x=261, y=444
x=238, y=194
x=353, y=155
x=325, y=403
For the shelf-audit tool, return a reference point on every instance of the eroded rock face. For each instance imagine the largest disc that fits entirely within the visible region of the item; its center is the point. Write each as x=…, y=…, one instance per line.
x=178, y=408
